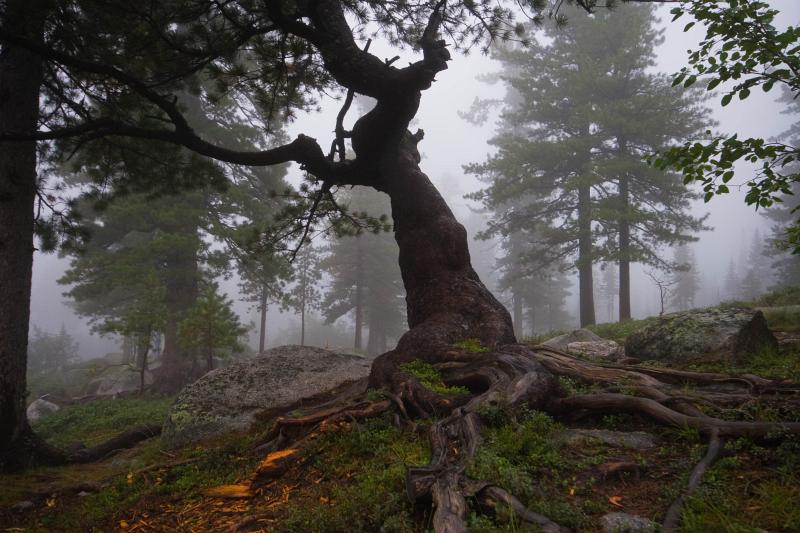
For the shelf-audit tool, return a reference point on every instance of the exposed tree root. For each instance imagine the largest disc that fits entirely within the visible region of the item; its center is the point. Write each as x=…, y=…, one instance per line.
x=32, y=450
x=715, y=449
x=492, y=496
x=119, y=442
x=513, y=375
x=665, y=415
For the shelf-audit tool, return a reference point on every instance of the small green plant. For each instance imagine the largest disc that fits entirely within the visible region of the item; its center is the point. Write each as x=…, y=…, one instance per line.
x=374, y=395
x=573, y=386
x=619, y=331
x=494, y=414
x=96, y=421
x=789, y=295
x=513, y=455
x=472, y=345
x=430, y=378
x=372, y=457
x=540, y=338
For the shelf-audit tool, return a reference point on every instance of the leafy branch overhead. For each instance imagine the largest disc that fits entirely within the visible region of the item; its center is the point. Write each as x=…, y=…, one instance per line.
x=744, y=50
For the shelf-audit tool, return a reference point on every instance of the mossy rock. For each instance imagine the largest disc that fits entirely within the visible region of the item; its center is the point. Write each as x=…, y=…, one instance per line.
x=724, y=334
x=230, y=399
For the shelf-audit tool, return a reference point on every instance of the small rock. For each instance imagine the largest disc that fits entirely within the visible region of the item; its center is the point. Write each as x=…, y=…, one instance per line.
x=635, y=440
x=83, y=494
x=602, y=349
x=627, y=523
x=22, y=506
x=39, y=408
x=579, y=335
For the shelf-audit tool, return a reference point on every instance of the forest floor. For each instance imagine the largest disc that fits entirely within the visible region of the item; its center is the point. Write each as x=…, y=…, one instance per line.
x=350, y=476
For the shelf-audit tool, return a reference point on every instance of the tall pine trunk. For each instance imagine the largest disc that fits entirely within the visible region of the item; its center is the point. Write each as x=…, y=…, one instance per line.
x=262, y=337
x=20, y=80
x=516, y=297
x=585, y=259
x=624, y=245
x=178, y=366
x=357, y=342
x=303, y=311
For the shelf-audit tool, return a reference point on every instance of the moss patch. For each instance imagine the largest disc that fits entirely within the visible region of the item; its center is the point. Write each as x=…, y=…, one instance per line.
x=96, y=421
x=472, y=345
x=619, y=331
x=430, y=378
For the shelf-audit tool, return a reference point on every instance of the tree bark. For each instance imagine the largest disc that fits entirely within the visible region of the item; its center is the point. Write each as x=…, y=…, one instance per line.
x=624, y=246
x=516, y=296
x=181, y=292
x=585, y=259
x=446, y=301
x=262, y=337
x=20, y=80
x=303, y=311
x=357, y=343
x=145, y=351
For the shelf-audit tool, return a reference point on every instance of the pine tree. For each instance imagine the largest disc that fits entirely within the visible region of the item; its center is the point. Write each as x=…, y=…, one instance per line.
x=211, y=326
x=572, y=146
x=134, y=243
x=687, y=284
x=141, y=320
x=785, y=264
x=537, y=291
x=757, y=275
x=305, y=294
x=609, y=288
x=365, y=277
x=780, y=245
x=732, y=284
x=50, y=353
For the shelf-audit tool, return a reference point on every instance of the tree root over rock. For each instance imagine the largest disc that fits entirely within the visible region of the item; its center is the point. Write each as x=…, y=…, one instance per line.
x=517, y=375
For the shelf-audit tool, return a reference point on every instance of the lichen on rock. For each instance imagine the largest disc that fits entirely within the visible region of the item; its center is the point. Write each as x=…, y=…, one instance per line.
x=727, y=334
x=229, y=399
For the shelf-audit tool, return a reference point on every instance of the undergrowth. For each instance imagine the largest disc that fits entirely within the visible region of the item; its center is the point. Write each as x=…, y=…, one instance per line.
x=366, y=466
x=472, y=345
x=768, y=363
x=522, y=452
x=430, y=378
x=98, y=420
x=736, y=496
x=619, y=331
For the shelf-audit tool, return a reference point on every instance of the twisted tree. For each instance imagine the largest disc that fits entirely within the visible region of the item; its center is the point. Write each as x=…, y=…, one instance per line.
x=446, y=301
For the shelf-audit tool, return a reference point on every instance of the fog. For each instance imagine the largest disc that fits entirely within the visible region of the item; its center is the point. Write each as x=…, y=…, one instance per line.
x=449, y=143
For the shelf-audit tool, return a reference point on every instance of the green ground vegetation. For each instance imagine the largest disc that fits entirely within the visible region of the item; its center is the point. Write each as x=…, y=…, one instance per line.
x=430, y=378
x=95, y=421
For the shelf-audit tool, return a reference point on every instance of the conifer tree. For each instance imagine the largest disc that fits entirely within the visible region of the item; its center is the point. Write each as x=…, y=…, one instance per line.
x=365, y=279
x=133, y=242
x=733, y=283
x=50, y=353
x=305, y=295
x=573, y=142
x=684, y=292
x=537, y=291
x=609, y=288
x=757, y=273
x=211, y=326
x=783, y=215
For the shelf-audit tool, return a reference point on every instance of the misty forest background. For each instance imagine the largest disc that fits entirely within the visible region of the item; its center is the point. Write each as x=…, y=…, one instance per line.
x=550, y=234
